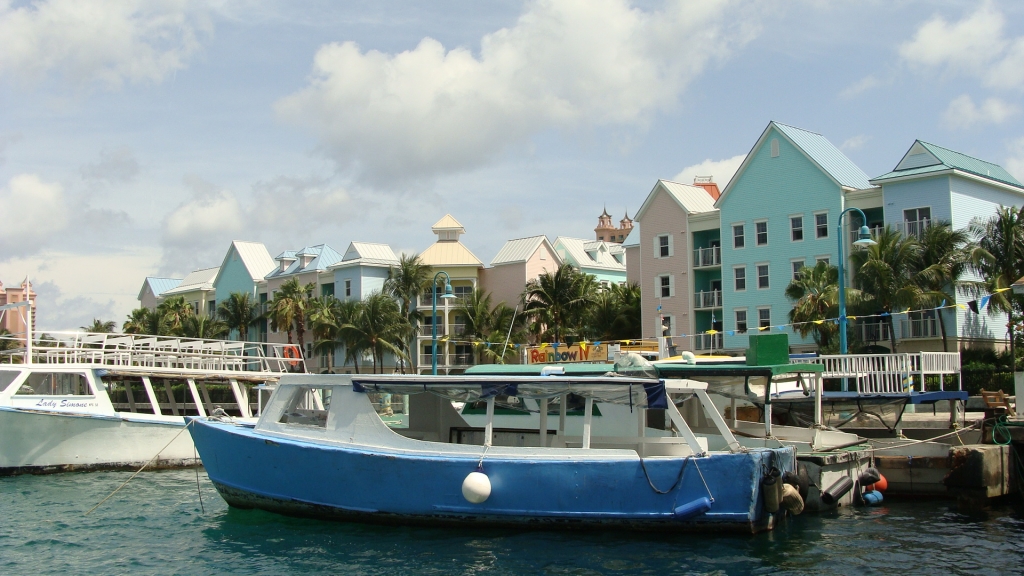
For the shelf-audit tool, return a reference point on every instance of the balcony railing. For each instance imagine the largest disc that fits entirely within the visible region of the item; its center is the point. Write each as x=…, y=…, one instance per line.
x=914, y=228
x=708, y=341
x=710, y=299
x=426, y=300
x=427, y=330
x=872, y=331
x=707, y=257
x=921, y=328
x=447, y=360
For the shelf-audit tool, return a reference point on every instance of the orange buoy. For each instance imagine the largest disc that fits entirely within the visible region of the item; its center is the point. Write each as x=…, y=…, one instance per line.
x=292, y=352
x=881, y=485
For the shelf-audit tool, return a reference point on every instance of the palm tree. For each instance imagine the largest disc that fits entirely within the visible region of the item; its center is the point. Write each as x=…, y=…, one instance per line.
x=8, y=341
x=616, y=313
x=323, y=315
x=560, y=300
x=202, y=326
x=887, y=275
x=173, y=313
x=405, y=283
x=944, y=260
x=379, y=328
x=476, y=312
x=239, y=312
x=288, y=309
x=999, y=258
x=100, y=327
x=815, y=292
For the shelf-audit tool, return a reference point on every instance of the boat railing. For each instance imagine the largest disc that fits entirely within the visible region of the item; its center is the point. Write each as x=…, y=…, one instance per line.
x=888, y=373
x=147, y=351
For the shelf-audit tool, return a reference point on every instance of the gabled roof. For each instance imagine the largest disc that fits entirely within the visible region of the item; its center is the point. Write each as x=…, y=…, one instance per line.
x=368, y=253
x=520, y=250
x=254, y=256
x=197, y=280
x=156, y=285
x=692, y=199
x=925, y=158
x=589, y=253
x=817, y=149
x=322, y=257
x=633, y=238
x=449, y=254
x=447, y=223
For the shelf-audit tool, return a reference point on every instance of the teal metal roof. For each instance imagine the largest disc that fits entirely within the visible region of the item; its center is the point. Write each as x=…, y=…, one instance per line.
x=161, y=285
x=951, y=159
x=827, y=156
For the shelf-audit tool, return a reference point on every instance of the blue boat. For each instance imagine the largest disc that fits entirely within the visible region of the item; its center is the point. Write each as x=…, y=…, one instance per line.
x=321, y=450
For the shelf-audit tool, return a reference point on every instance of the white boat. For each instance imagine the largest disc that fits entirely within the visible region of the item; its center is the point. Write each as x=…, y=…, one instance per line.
x=84, y=401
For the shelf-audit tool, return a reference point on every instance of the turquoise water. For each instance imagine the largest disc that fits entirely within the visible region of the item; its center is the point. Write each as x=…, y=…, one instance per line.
x=156, y=526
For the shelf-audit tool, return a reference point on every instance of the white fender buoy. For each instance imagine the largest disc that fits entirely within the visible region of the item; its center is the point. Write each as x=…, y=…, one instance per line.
x=688, y=357
x=476, y=488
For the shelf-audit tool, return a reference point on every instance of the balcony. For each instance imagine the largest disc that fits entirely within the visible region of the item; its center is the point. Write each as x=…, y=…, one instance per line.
x=920, y=328
x=426, y=300
x=446, y=360
x=707, y=300
x=914, y=228
x=707, y=257
x=707, y=342
x=427, y=330
x=870, y=332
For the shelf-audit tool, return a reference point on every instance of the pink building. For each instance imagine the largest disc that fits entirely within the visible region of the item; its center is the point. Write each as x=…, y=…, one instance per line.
x=14, y=320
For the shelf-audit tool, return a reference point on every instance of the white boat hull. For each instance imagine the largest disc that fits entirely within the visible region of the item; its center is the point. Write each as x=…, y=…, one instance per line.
x=43, y=442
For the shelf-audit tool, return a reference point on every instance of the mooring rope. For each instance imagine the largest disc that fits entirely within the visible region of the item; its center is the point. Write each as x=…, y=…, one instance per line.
x=151, y=460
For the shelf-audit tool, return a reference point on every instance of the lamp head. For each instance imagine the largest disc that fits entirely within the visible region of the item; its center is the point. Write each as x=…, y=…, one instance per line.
x=447, y=292
x=864, y=238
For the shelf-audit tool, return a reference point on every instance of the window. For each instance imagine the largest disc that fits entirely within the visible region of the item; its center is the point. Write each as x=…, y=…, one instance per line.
x=664, y=286
x=600, y=238
x=307, y=407
x=211, y=307
x=762, y=276
x=741, y=321
x=462, y=291
x=740, y=275
x=348, y=288
x=737, y=236
x=761, y=229
x=824, y=259
x=666, y=325
x=798, y=265
x=821, y=225
x=917, y=214
x=663, y=246
x=764, y=317
x=775, y=147
x=796, y=228
x=327, y=289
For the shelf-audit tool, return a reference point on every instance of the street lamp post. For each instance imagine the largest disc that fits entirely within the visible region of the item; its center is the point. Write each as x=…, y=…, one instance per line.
x=433, y=317
x=863, y=239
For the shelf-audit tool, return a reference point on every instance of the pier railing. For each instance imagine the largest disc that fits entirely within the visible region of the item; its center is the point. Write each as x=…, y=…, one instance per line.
x=145, y=351
x=888, y=373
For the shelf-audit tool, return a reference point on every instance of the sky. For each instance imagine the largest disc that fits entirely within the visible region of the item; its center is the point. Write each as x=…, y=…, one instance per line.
x=140, y=138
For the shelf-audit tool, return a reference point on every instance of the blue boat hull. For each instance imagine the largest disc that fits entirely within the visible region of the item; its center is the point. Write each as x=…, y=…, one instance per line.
x=300, y=478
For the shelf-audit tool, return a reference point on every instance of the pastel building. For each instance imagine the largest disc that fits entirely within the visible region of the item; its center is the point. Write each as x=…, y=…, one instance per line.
x=362, y=270
x=517, y=263
x=198, y=291
x=153, y=287
x=448, y=255
x=607, y=232
x=779, y=213
x=679, y=267
x=309, y=266
x=606, y=261
x=933, y=184
x=13, y=320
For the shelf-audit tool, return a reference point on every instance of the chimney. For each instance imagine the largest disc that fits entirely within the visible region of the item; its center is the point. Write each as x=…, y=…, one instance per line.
x=709, y=186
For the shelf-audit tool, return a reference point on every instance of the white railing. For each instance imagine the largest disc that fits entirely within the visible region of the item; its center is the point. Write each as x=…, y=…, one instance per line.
x=428, y=330
x=707, y=342
x=144, y=351
x=447, y=360
x=914, y=228
x=710, y=299
x=887, y=373
x=920, y=328
x=872, y=331
x=707, y=257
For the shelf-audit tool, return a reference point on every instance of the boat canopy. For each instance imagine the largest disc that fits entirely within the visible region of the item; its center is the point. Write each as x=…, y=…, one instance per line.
x=639, y=392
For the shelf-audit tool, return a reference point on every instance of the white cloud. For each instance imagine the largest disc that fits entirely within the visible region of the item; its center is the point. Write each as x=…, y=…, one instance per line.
x=963, y=46
x=974, y=46
x=73, y=289
x=104, y=41
x=288, y=210
x=114, y=166
x=962, y=113
x=35, y=211
x=1015, y=162
x=863, y=85
x=564, y=64
x=855, y=142
x=721, y=170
